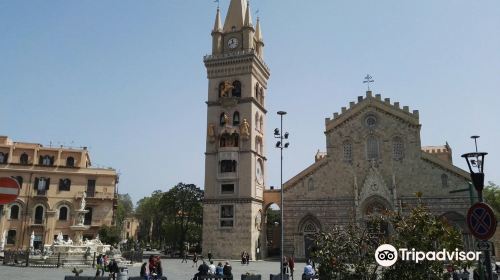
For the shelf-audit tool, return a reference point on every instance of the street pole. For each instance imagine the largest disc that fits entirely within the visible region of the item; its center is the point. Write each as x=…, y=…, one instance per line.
x=475, y=162
x=280, y=145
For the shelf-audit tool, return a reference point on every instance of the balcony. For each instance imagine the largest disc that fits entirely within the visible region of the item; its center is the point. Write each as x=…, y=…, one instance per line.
x=37, y=222
x=227, y=175
x=96, y=195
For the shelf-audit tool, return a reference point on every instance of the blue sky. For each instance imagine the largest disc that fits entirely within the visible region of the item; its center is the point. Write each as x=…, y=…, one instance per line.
x=126, y=78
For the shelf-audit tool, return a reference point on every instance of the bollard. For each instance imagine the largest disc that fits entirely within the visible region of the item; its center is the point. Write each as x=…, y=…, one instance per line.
x=27, y=257
x=93, y=261
x=58, y=259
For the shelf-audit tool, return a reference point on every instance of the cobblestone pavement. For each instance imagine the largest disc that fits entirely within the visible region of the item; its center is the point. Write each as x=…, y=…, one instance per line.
x=173, y=268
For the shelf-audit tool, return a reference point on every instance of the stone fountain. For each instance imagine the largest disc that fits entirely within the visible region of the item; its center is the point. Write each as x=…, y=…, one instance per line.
x=79, y=246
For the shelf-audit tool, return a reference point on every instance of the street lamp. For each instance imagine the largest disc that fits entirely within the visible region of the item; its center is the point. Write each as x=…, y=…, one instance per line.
x=475, y=162
x=278, y=133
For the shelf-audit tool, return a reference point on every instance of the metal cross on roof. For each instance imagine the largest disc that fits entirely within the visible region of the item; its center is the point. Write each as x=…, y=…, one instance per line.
x=368, y=80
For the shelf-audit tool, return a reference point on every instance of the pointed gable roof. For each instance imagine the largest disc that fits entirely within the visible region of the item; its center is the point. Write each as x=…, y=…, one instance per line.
x=376, y=102
x=235, y=15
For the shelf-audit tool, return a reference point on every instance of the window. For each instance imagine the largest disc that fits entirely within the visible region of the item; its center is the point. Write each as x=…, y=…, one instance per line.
x=228, y=166
x=39, y=215
x=310, y=184
x=261, y=96
x=64, y=184
x=347, y=151
x=261, y=123
x=223, y=119
x=90, y=188
x=63, y=213
x=229, y=140
x=46, y=160
x=397, y=148
x=257, y=91
x=70, y=162
x=371, y=121
x=444, y=180
x=227, y=188
x=14, y=212
x=42, y=185
x=236, y=92
x=226, y=215
x=11, y=237
x=24, y=158
x=236, y=118
x=3, y=157
x=372, y=148
x=88, y=217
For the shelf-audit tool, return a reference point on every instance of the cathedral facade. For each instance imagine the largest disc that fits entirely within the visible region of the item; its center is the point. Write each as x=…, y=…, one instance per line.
x=374, y=160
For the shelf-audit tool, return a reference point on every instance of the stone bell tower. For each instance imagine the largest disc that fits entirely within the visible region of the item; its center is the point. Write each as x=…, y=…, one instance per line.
x=235, y=155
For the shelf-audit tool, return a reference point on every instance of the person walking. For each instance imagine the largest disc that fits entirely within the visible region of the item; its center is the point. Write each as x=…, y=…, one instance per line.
x=209, y=256
x=184, y=256
x=195, y=259
x=291, y=265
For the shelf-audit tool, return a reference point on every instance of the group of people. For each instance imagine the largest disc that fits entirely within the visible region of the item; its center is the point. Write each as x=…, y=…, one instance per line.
x=288, y=265
x=152, y=269
x=103, y=264
x=206, y=270
x=245, y=258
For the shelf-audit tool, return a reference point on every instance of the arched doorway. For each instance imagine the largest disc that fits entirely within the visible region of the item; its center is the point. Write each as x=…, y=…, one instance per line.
x=373, y=208
x=308, y=227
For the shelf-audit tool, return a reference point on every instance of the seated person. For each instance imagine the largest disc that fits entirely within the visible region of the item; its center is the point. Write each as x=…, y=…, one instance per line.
x=202, y=270
x=308, y=271
x=227, y=270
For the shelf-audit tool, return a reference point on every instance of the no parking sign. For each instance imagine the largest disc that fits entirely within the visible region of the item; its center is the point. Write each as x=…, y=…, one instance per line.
x=481, y=221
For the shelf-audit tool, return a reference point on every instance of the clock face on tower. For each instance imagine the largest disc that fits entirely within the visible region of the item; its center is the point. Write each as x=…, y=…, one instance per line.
x=259, y=172
x=232, y=43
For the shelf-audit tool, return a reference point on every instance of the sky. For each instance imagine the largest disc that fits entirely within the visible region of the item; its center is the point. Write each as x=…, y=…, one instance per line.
x=126, y=78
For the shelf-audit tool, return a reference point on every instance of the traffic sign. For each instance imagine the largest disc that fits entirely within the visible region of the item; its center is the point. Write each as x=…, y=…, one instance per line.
x=9, y=190
x=484, y=245
x=481, y=221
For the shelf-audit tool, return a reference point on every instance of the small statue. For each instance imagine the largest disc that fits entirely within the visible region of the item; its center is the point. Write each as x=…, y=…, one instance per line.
x=245, y=129
x=83, y=203
x=225, y=89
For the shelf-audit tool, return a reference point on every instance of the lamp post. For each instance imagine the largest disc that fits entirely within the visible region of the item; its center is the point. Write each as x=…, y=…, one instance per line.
x=475, y=162
x=278, y=133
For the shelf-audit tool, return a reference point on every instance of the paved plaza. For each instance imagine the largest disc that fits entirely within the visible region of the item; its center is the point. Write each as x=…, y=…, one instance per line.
x=173, y=268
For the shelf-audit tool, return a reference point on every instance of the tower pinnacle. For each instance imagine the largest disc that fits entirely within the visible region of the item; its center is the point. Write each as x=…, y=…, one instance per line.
x=258, y=33
x=218, y=24
x=248, y=16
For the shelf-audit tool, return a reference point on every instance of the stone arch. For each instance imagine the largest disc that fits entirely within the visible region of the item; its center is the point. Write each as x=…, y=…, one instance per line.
x=374, y=203
x=307, y=227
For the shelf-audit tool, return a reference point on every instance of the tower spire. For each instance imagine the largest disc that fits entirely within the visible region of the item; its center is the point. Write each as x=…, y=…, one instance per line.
x=248, y=16
x=258, y=33
x=218, y=24
x=235, y=17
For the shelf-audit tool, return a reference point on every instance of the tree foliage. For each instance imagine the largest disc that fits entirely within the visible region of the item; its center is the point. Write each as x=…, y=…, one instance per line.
x=124, y=209
x=348, y=252
x=424, y=232
x=171, y=218
x=491, y=195
x=110, y=235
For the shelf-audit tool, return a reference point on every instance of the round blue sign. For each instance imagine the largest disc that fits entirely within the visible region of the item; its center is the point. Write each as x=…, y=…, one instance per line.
x=481, y=221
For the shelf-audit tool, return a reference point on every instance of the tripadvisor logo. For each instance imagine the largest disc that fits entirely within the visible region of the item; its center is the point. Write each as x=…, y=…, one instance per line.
x=386, y=255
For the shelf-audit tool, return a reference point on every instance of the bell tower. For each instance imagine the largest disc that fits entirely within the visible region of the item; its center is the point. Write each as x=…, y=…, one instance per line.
x=235, y=154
